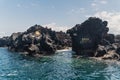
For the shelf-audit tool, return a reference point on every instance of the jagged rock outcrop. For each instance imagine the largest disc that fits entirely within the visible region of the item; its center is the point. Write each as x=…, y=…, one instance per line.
x=38, y=40
x=92, y=40
x=64, y=39
x=4, y=42
x=87, y=36
x=110, y=38
x=117, y=38
x=111, y=55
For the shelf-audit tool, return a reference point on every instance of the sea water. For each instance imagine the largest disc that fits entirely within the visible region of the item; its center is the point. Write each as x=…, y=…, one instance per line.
x=60, y=66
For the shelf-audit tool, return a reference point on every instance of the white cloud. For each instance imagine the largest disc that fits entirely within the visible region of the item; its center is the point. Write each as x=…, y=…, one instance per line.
x=103, y=1
x=22, y=6
x=93, y=4
x=55, y=27
x=76, y=11
x=96, y=4
x=19, y=5
x=33, y=4
x=113, y=19
x=87, y=16
x=27, y=6
x=4, y=34
x=81, y=10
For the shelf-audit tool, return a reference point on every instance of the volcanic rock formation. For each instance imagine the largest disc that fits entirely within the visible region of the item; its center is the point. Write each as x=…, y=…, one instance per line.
x=4, y=42
x=92, y=40
x=38, y=40
x=87, y=36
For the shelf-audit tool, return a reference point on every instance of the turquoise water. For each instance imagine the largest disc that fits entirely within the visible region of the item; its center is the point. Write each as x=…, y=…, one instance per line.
x=60, y=66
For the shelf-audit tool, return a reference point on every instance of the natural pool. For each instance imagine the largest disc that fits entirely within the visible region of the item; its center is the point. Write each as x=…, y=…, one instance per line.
x=60, y=66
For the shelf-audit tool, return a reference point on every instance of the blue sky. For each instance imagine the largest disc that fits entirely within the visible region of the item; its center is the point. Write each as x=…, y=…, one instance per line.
x=18, y=15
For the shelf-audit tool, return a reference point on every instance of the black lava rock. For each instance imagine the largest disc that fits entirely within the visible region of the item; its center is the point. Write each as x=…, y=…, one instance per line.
x=87, y=36
x=38, y=40
x=4, y=42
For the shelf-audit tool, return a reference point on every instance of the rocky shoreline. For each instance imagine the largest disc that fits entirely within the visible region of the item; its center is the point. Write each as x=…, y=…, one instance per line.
x=37, y=40
x=88, y=39
x=91, y=39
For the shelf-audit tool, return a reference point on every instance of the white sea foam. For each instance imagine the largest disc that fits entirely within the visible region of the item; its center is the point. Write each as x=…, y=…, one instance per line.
x=68, y=49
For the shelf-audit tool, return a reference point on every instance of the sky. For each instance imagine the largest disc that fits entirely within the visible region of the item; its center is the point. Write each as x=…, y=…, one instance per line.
x=19, y=15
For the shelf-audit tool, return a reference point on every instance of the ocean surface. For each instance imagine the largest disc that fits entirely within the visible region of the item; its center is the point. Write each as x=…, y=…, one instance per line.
x=61, y=66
